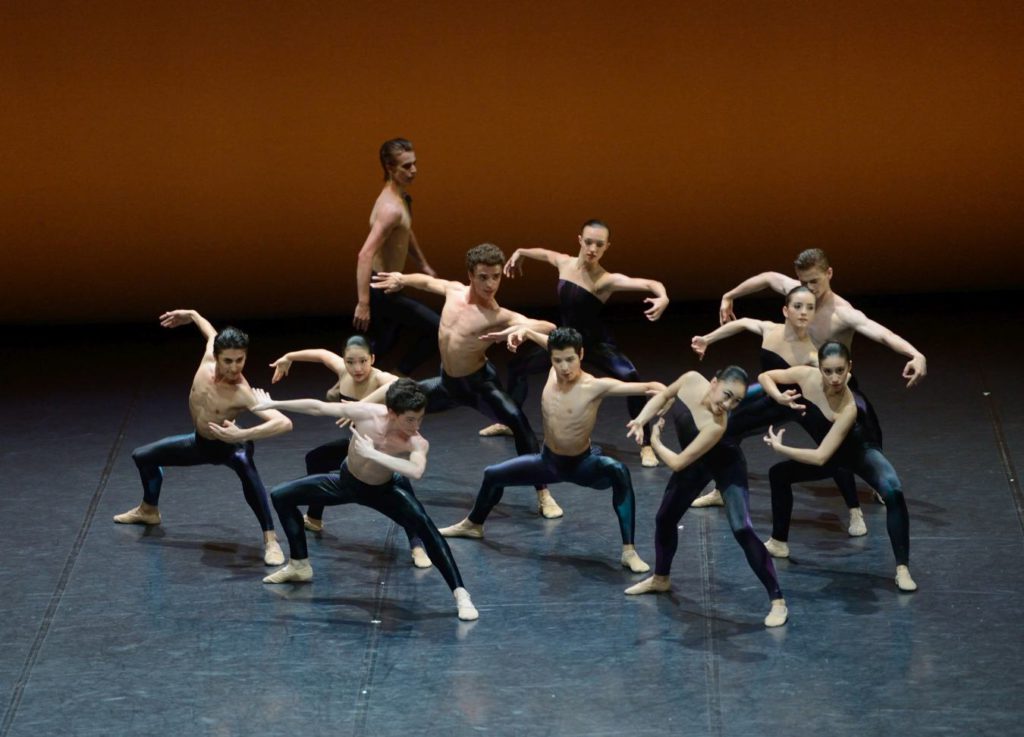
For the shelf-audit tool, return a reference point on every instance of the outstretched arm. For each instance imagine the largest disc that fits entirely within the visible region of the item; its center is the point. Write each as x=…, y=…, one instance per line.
x=515, y=335
x=829, y=445
x=616, y=388
x=413, y=468
x=312, y=355
x=177, y=318
x=658, y=303
x=387, y=219
x=765, y=280
x=344, y=410
x=515, y=263
x=654, y=405
x=705, y=440
x=700, y=343
x=916, y=367
x=392, y=281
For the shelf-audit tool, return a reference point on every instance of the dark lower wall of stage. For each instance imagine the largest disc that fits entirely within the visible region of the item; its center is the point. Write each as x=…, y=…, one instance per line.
x=223, y=155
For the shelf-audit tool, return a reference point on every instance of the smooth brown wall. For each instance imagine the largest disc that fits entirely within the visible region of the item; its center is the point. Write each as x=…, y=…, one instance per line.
x=223, y=155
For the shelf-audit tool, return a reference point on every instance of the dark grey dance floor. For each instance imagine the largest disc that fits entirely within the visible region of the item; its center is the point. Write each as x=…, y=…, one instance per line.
x=121, y=630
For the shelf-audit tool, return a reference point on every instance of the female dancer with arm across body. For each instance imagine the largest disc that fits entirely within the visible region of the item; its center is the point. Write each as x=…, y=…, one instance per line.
x=782, y=345
x=357, y=379
x=701, y=417
x=832, y=419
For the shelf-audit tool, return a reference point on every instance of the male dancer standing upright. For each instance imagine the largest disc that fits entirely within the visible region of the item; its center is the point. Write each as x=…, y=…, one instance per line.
x=467, y=377
x=219, y=394
x=390, y=240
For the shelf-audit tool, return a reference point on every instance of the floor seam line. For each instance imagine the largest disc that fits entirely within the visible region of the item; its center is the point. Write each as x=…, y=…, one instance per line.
x=711, y=674
x=1012, y=479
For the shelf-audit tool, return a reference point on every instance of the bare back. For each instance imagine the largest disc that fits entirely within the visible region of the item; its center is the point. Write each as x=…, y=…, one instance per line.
x=392, y=254
x=214, y=401
x=570, y=413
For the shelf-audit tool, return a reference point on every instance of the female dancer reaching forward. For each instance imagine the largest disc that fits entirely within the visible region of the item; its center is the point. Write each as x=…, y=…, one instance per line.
x=701, y=416
x=844, y=439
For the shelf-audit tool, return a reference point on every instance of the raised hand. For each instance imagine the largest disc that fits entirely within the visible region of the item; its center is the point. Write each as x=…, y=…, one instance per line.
x=774, y=439
x=362, y=444
x=514, y=266
x=175, y=318
x=915, y=371
x=281, y=367
x=658, y=306
x=389, y=281
x=263, y=400
x=725, y=313
x=789, y=398
x=699, y=345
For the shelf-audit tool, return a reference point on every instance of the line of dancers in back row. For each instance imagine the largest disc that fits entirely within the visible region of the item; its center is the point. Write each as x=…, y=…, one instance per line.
x=806, y=378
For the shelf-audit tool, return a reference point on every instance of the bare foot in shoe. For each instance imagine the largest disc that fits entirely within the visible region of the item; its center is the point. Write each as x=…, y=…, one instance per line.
x=547, y=507
x=857, y=528
x=465, y=528
x=296, y=570
x=648, y=458
x=312, y=523
x=144, y=514
x=712, y=499
x=632, y=561
x=420, y=559
x=654, y=585
x=272, y=553
x=779, y=614
x=467, y=612
x=494, y=430
x=776, y=548
x=903, y=580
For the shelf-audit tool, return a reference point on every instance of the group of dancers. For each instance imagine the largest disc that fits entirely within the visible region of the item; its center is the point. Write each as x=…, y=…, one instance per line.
x=806, y=378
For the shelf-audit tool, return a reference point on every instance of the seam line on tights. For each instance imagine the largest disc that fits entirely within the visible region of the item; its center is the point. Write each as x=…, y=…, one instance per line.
x=369, y=667
x=709, y=602
x=1012, y=479
x=65, y=575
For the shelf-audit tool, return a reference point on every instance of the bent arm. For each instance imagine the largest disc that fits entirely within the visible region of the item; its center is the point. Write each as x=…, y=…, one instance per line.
x=616, y=388
x=423, y=282
x=274, y=423
x=414, y=467
x=705, y=441
x=915, y=369
x=830, y=443
x=765, y=280
x=318, y=355
x=655, y=403
x=770, y=380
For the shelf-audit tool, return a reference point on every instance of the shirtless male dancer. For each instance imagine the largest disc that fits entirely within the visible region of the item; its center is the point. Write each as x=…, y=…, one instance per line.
x=569, y=405
x=834, y=319
x=583, y=289
x=219, y=394
x=467, y=378
x=390, y=240
x=386, y=444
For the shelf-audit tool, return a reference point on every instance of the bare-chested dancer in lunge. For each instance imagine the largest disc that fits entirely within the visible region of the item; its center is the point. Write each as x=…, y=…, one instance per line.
x=219, y=395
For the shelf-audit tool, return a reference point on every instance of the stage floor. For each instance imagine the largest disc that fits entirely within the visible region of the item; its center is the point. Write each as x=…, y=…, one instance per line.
x=124, y=630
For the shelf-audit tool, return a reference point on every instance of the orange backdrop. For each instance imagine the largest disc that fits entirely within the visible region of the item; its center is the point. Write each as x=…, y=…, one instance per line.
x=222, y=155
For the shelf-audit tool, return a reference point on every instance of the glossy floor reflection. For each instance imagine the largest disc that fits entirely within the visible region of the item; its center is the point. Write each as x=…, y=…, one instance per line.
x=168, y=631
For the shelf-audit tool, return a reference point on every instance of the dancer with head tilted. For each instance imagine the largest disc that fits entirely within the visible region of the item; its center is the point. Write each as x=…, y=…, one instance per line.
x=218, y=396
x=386, y=443
x=569, y=405
x=357, y=378
x=467, y=377
x=782, y=345
x=836, y=423
x=701, y=412
x=389, y=242
x=583, y=288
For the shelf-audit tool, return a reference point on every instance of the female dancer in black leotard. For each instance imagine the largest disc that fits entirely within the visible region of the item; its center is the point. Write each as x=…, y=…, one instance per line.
x=701, y=416
x=583, y=288
x=357, y=378
x=782, y=345
x=835, y=422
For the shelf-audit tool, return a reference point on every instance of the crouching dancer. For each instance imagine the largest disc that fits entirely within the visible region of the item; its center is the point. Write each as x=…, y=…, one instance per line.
x=386, y=443
x=569, y=406
x=219, y=394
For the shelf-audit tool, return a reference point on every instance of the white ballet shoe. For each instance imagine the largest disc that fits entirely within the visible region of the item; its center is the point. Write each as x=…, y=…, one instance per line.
x=712, y=499
x=548, y=508
x=776, y=548
x=779, y=614
x=312, y=523
x=652, y=585
x=494, y=430
x=465, y=528
x=272, y=553
x=857, y=527
x=467, y=612
x=631, y=560
x=648, y=458
x=903, y=580
x=420, y=559
x=296, y=570
x=138, y=517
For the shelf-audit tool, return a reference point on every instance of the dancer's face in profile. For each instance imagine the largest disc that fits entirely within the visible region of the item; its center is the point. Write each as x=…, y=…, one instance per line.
x=800, y=309
x=403, y=170
x=567, y=364
x=484, y=281
x=835, y=371
x=230, y=363
x=725, y=396
x=817, y=279
x=408, y=423
x=593, y=243
x=358, y=363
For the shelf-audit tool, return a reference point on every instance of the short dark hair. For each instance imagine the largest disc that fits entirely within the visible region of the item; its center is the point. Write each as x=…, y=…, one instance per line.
x=833, y=348
x=405, y=395
x=595, y=223
x=230, y=337
x=810, y=258
x=389, y=151
x=565, y=338
x=487, y=254
x=796, y=290
x=732, y=373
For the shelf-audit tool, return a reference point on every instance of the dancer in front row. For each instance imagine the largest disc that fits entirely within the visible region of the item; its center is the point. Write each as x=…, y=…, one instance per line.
x=569, y=405
x=583, y=288
x=834, y=421
x=701, y=416
x=357, y=378
x=219, y=394
x=782, y=345
x=467, y=377
x=386, y=442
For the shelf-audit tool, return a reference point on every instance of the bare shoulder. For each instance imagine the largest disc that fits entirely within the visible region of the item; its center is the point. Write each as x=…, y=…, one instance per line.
x=419, y=444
